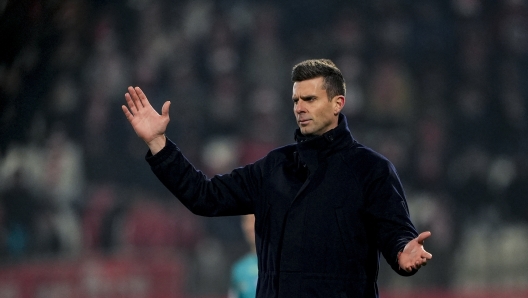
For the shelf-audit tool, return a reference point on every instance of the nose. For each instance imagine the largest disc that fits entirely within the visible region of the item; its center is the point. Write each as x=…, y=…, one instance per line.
x=299, y=107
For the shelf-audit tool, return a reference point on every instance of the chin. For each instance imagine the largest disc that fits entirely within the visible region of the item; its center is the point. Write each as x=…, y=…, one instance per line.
x=306, y=133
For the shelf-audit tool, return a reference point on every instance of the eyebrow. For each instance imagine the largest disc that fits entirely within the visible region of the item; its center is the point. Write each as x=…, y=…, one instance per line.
x=306, y=97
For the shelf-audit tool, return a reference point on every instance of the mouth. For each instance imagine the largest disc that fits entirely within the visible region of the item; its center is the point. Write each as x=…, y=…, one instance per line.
x=303, y=121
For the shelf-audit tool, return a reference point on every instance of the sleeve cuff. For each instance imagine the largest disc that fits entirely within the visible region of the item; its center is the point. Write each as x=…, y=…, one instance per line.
x=396, y=266
x=162, y=155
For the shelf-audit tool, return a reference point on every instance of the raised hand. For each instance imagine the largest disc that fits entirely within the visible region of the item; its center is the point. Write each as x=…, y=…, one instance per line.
x=413, y=255
x=147, y=123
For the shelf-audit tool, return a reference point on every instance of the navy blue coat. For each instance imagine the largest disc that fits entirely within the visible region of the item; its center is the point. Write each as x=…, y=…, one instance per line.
x=325, y=208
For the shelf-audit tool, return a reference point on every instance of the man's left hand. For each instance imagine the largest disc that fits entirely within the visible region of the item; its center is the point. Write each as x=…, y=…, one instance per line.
x=414, y=255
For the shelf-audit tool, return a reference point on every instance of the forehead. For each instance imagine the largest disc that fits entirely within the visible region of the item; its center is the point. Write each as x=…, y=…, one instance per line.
x=308, y=87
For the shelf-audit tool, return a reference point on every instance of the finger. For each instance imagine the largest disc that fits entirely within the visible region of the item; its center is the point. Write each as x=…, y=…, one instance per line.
x=427, y=255
x=131, y=104
x=165, y=109
x=135, y=97
x=423, y=236
x=142, y=97
x=128, y=115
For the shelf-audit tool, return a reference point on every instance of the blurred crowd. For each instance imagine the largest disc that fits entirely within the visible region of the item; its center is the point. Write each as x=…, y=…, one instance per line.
x=439, y=87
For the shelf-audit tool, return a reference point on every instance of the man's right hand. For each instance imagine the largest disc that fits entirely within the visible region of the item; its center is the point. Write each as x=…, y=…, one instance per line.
x=147, y=123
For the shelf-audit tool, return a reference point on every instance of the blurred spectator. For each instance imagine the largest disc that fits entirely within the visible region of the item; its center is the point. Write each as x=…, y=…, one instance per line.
x=244, y=273
x=471, y=114
x=150, y=223
x=512, y=115
x=431, y=151
x=99, y=201
x=19, y=210
x=265, y=128
x=515, y=202
x=468, y=182
x=225, y=104
x=266, y=62
x=64, y=187
x=512, y=31
x=391, y=93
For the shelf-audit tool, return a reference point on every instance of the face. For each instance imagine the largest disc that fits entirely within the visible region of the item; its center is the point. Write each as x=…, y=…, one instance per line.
x=314, y=112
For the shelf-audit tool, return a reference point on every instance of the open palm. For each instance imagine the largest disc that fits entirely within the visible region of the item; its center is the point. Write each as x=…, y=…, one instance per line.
x=414, y=255
x=147, y=123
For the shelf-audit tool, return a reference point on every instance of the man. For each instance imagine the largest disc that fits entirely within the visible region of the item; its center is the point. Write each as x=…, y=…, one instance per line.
x=244, y=273
x=325, y=207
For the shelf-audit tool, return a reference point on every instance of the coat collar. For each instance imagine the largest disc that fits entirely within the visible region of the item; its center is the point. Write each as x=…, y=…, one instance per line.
x=311, y=149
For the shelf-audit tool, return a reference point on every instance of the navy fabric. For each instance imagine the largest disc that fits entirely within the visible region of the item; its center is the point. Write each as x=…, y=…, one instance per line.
x=325, y=208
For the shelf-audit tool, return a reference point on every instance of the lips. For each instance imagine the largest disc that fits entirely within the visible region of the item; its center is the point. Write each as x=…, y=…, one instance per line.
x=303, y=121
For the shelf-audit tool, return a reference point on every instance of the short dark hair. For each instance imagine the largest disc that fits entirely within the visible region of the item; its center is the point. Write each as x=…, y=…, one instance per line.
x=333, y=81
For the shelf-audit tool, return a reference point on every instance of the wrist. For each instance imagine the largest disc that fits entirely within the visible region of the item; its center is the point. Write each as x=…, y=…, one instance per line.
x=156, y=144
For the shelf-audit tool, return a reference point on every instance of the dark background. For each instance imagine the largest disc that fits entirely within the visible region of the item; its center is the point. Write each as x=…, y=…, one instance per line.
x=439, y=87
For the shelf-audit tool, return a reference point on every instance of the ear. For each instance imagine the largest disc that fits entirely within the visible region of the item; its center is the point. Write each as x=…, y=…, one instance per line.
x=339, y=104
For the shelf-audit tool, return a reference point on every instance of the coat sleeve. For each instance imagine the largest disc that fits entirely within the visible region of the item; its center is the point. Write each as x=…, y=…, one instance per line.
x=222, y=195
x=387, y=207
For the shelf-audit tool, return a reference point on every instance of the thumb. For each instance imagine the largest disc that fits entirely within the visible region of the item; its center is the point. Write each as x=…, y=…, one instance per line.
x=424, y=235
x=165, y=109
